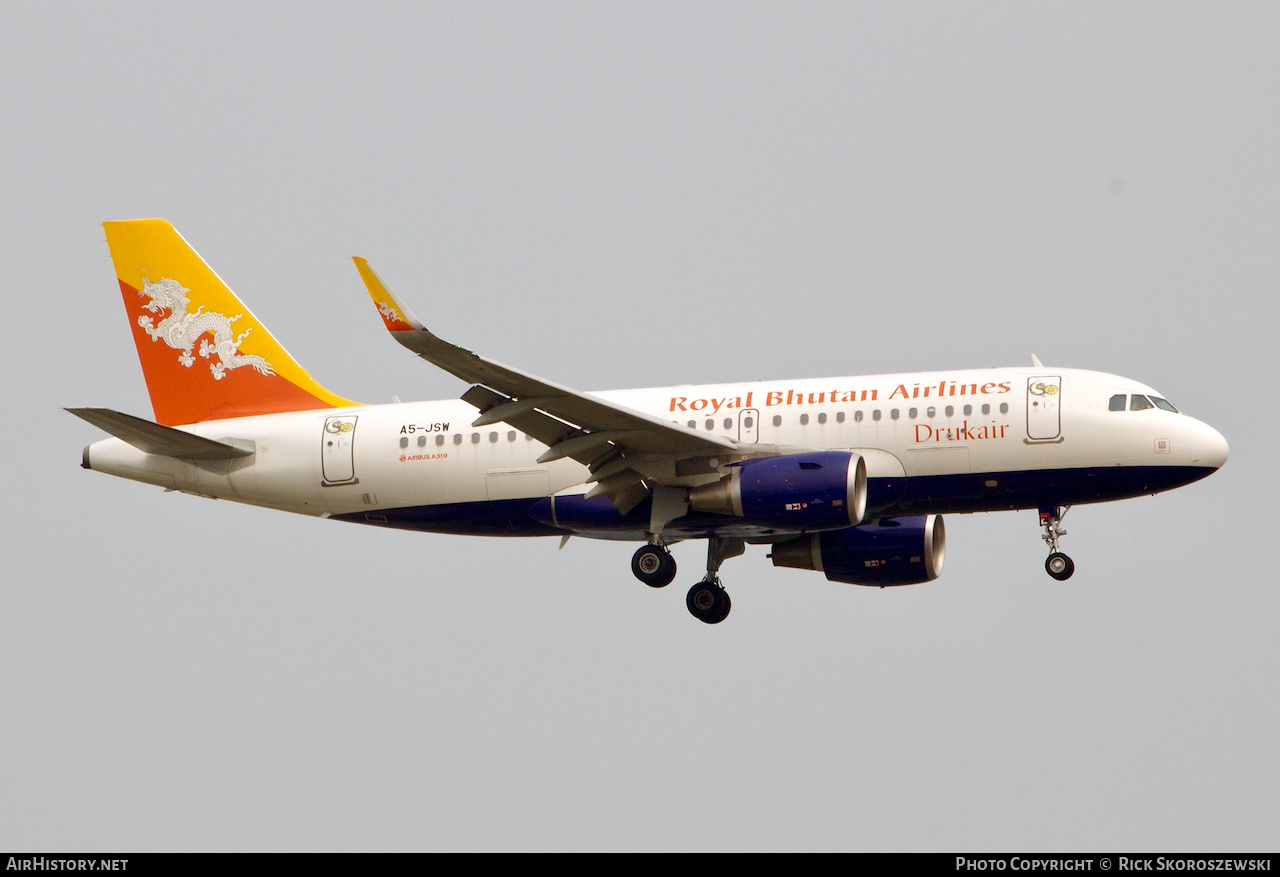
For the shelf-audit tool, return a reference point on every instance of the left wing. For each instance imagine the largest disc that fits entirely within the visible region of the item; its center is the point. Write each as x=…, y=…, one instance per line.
x=622, y=447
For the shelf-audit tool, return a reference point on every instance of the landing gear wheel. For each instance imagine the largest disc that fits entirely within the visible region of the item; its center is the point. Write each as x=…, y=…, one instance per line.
x=1059, y=566
x=654, y=566
x=708, y=602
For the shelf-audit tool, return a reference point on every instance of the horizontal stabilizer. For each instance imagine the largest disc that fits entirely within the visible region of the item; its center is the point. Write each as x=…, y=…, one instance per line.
x=152, y=438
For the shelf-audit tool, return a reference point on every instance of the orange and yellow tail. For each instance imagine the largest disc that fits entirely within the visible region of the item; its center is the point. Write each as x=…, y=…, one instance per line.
x=204, y=355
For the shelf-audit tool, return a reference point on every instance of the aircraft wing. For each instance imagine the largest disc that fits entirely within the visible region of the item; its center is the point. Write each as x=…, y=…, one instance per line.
x=621, y=446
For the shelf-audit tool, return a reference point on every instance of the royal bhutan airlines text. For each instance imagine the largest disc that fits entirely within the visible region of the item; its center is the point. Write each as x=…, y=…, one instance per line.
x=943, y=389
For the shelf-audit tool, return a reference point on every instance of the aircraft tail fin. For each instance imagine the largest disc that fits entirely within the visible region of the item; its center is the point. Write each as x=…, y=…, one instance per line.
x=204, y=355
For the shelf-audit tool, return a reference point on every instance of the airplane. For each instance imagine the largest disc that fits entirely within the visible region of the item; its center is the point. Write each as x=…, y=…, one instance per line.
x=846, y=476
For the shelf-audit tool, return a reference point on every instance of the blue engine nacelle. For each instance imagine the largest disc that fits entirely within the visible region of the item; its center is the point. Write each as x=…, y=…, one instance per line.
x=891, y=551
x=824, y=490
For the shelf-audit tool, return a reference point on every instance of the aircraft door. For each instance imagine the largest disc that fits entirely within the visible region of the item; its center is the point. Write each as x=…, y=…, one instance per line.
x=337, y=450
x=1044, y=409
x=749, y=425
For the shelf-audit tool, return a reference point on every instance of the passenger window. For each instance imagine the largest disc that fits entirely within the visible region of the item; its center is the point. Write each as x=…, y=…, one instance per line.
x=857, y=416
x=777, y=420
x=894, y=413
x=711, y=424
x=422, y=441
x=493, y=436
x=804, y=419
x=1139, y=403
x=404, y=442
x=511, y=436
x=748, y=422
x=439, y=438
x=1004, y=407
x=457, y=438
x=822, y=418
x=475, y=438
x=1116, y=403
x=728, y=423
x=839, y=417
x=875, y=415
x=1164, y=404
x=912, y=413
x=986, y=409
x=951, y=410
x=930, y=412
x=693, y=424
x=968, y=409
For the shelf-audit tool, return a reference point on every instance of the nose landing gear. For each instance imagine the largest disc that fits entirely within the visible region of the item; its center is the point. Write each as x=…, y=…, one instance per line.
x=1057, y=565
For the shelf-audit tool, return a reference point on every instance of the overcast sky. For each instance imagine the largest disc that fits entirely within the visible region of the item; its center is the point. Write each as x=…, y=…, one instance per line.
x=617, y=195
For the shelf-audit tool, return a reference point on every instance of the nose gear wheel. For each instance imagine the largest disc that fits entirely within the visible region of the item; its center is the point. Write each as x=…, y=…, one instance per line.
x=1057, y=565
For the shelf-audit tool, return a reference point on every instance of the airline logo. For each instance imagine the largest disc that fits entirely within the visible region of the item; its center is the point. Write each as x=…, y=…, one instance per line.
x=182, y=328
x=391, y=317
x=216, y=359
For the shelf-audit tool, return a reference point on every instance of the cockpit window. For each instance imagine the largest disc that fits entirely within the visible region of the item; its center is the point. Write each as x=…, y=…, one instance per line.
x=1139, y=403
x=1164, y=404
x=1117, y=402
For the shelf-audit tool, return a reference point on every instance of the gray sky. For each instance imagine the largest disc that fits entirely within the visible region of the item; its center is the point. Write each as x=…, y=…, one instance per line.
x=637, y=195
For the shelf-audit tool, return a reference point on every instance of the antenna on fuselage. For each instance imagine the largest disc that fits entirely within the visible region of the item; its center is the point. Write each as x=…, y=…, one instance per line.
x=1035, y=360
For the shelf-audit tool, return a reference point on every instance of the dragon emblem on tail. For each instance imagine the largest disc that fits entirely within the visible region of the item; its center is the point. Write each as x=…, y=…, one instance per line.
x=181, y=329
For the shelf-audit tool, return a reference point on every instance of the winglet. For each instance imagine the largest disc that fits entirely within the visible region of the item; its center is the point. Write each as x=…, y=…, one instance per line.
x=395, y=315
x=1035, y=360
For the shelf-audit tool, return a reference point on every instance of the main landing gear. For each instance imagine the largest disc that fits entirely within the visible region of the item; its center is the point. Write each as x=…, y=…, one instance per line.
x=708, y=601
x=654, y=565
x=1057, y=564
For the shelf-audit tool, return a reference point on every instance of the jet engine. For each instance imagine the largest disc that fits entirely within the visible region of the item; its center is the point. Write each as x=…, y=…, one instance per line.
x=890, y=551
x=824, y=490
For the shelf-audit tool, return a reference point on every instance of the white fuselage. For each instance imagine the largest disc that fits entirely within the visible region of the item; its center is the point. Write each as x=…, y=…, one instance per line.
x=940, y=441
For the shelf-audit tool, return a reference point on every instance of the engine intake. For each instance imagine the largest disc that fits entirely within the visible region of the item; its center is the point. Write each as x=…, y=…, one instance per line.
x=824, y=490
x=891, y=551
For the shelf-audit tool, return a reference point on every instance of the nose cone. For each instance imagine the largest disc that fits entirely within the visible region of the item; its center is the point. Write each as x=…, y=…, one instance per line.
x=1210, y=448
